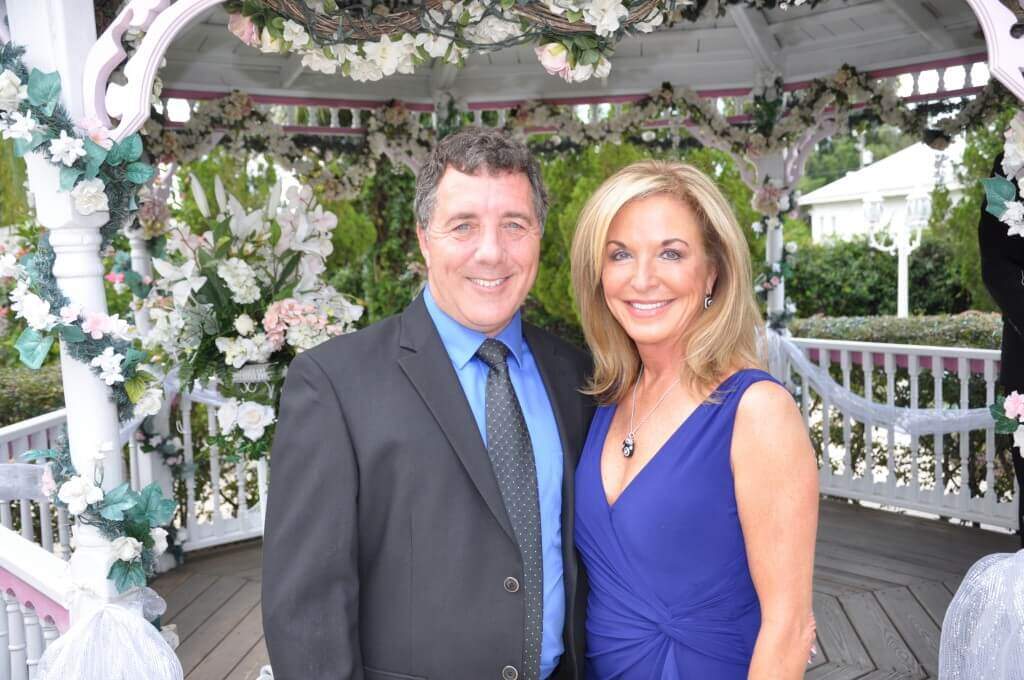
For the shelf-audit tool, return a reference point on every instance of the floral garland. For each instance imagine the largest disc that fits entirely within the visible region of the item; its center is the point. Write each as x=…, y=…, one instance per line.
x=101, y=175
x=133, y=521
x=572, y=38
x=1009, y=417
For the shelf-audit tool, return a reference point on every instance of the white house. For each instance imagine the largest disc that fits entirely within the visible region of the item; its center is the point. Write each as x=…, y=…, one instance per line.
x=837, y=209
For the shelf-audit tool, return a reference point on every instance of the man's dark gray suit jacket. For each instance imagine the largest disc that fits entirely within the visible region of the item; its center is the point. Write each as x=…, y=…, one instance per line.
x=387, y=545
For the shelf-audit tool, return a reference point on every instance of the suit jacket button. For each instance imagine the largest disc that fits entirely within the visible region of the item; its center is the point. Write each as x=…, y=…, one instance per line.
x=512, y=586
x=509, y=673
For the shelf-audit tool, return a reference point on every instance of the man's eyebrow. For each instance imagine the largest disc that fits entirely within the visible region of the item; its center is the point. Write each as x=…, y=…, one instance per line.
x=527, y=217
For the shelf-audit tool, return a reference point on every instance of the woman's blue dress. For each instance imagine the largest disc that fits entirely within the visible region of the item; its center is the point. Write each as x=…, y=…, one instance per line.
x=671, y=597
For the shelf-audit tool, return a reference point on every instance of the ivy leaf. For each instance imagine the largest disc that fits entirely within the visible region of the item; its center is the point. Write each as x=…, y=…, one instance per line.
x=33, y=347
x=132, y=357
x=288, y=270
x=22, y=146
x=139, y=173
x=590, y=57
x=153, y=508
x=38, y=454
x=1004, y=425
x=998, y=192
x=117, y=501
x=127, y=575
x=71, y=333
x=44, y=90
x=135, y=387
x=126, y=151
x=68, y=177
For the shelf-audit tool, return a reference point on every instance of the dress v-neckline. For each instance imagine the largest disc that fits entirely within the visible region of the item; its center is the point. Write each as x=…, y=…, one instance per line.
x=675, y=433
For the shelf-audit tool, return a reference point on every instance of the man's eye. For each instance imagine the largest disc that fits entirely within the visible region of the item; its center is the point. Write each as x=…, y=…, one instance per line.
x=514, y=226
x=463, y=228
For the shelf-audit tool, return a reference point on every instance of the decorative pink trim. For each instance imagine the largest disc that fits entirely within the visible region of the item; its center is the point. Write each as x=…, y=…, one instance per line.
x=26, y=594
x=902, y=360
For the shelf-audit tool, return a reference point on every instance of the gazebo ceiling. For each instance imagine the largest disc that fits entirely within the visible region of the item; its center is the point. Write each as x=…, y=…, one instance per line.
x=715, y=52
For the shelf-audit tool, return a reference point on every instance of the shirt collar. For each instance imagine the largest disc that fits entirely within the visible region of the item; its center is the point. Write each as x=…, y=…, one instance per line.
x=462, y=343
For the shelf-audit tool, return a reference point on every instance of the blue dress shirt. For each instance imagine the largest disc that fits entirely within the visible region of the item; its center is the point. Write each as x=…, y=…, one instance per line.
x=461, y=344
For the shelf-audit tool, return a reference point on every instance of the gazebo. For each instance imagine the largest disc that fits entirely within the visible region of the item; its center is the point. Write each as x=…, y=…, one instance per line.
x=761, y=80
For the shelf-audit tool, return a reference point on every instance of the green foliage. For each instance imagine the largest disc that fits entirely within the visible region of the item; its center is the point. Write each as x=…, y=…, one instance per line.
x=837, y=156
x=849, y=278
x=249, y=178
x=25, y=393
x=13, y=204
x=385, y=279
x=968, y=329
x=958, y=224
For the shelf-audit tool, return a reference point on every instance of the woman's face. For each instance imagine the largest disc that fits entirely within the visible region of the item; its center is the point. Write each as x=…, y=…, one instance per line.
x=656, y=271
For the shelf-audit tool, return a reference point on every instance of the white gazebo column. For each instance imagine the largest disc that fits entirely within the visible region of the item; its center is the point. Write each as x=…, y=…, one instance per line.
x=142, y=264
x=57, y=34
x=771, y=168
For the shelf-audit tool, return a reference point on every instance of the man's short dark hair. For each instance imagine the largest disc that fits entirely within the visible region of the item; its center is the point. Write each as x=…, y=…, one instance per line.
x=470, y=151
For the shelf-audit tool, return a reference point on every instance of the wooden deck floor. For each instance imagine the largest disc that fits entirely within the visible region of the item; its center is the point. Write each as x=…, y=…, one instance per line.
x=881, y=587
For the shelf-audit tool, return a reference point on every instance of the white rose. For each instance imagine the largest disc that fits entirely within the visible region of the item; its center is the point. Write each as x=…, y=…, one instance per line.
x=602, y=68
x=9, y=266
x=12, y=92
x=244, y=324
x=253, y=418
x=159, y=536
x=316, y=61
x=227, y=415
x=126, y=548
x=90, y=196
x=791, y=247
x=269, y=43
x=78, y=492
x=295, y=33
x=36, y=312
x=150, y=402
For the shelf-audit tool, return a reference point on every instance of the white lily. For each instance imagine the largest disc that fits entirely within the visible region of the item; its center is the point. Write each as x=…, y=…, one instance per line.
x=220, y=194
x=199, y=195
x=181, y=281
x=243, y=225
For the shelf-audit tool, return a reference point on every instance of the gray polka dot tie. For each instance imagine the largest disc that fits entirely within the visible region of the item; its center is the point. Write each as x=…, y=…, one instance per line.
x=508, y=444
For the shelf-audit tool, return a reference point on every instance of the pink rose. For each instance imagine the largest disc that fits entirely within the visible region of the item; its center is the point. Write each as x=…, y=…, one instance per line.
x=554, y=57
x=95, y=325
x=96, y=132
x=245, y=29
x=3, y=312
x=115, y=277
x=1014, y=406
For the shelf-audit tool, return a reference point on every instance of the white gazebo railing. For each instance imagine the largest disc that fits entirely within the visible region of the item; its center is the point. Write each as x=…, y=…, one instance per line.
x=907, y=426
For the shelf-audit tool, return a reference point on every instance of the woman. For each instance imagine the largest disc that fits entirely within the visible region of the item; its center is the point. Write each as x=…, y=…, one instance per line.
x=696, y=493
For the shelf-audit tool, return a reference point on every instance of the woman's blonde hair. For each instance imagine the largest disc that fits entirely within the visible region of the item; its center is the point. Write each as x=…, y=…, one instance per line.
x=724, y=336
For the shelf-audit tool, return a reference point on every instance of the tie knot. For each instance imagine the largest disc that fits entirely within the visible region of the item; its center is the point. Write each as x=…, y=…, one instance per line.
x=493, y=352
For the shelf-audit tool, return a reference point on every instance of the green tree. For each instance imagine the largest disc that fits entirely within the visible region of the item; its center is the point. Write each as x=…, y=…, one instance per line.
x=13, y=203
x=958, y=224
x=836, y=156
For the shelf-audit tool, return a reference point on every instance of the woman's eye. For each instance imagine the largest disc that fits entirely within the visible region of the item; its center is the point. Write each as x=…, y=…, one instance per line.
x=619, y=255
x=672, y=255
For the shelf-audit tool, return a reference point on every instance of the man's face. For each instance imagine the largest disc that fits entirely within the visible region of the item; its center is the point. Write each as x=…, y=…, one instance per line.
x=482, y=247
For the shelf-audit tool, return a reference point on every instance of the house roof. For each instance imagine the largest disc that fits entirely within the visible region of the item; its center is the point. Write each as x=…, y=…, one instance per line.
x=898, y=174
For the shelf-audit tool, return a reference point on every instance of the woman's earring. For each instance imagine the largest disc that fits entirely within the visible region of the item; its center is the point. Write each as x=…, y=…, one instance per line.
x=708, y=301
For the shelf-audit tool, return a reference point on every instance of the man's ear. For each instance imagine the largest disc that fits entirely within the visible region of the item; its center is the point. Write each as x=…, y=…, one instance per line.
x=421, y=236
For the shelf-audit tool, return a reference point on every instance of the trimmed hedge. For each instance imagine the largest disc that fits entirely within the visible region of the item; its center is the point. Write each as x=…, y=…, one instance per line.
x=981, y=330
x=25, y=393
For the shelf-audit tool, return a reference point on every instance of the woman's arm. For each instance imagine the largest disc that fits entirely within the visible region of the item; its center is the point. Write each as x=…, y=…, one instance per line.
x=776, y=478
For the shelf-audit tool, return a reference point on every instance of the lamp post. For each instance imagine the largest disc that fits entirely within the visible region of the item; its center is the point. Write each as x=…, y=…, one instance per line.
x=901, y=240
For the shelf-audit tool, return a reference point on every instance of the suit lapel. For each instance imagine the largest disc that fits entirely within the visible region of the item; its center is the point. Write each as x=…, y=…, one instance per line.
x=429, y=369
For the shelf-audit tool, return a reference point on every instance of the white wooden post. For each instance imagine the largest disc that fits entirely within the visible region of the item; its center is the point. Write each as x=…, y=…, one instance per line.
x=772, y=166
x=57, y=35
x=142, y=264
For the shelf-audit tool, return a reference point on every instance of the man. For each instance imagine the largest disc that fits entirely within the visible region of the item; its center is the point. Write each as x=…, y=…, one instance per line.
x=1002, y=269
x=421, y=519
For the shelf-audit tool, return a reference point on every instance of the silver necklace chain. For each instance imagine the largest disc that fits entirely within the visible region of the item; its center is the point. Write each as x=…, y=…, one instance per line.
x=629, y=443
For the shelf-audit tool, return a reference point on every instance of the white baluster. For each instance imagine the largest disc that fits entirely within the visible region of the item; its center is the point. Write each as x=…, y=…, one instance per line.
x=134, y=459
x=215, y=500
x=357, y=118
x=844, y=365
x=890, y=437
x=33, y=639
x=191, y=522
x=334, y=118
x=5, y=514
x=502, y=117
x=16, y=638
x=914, y=370
x=991, y=498
x=63, y=522
x=261, y=486
x=939, y=491
x=867, y=480
x=940, y=86
x=50, y=632
x=478, y=117
x=963, y=374
x=824, y=360
x=5, y=644
x=243, y=502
